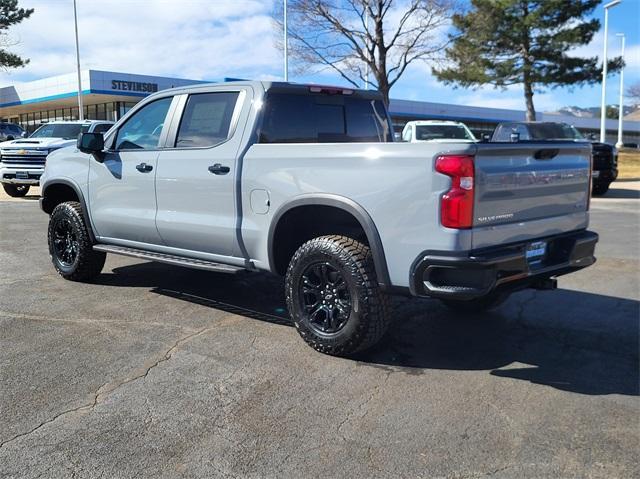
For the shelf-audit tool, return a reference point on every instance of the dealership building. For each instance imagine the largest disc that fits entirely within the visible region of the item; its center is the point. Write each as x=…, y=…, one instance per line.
x=109, y=95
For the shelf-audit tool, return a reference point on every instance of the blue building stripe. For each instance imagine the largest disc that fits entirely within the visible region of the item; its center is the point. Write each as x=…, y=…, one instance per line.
x=72, y=94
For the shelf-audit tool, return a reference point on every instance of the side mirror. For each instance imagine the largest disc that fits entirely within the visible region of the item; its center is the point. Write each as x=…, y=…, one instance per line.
x=91, y=143
x=23, y=134
x=514, y=137
x=397, y=136
x=486, y=137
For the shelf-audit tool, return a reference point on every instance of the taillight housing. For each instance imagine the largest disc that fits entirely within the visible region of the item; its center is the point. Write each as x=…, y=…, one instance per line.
x=456, y=205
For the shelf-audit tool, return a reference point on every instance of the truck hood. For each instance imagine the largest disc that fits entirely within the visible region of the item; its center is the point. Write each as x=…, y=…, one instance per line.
x=36, y=143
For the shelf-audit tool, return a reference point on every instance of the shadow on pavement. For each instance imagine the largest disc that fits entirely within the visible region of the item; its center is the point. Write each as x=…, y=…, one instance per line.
x=620, y=193
x=570, y=340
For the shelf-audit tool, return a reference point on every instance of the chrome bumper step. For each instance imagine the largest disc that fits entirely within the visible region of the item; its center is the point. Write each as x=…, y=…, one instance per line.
x=168, y=258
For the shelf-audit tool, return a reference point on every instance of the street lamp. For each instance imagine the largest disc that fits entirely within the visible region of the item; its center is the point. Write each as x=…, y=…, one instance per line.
x=80, y=107
x=286, y=45
x=603, y=106
x=621, y=110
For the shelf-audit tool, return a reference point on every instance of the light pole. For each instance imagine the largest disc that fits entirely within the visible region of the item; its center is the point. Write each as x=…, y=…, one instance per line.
x=80, y=107
x=366, y=46
x=603, y=106
x=621, y=109
x=286, y=46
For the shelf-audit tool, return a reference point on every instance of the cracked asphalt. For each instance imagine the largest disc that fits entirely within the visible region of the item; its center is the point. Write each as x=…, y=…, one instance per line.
x=158, y=371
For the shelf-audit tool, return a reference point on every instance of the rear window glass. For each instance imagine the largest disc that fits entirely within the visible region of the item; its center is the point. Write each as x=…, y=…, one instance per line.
x=307, y=118
x=441, y=132
x=553, y=131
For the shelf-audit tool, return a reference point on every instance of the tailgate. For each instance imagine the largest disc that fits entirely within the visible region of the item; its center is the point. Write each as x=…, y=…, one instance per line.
x=530, y=189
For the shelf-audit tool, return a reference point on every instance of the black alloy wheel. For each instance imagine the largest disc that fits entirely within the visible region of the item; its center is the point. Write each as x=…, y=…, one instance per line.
x=333, y=296
x=325, y=297
x=70, y=244
x=65, y=243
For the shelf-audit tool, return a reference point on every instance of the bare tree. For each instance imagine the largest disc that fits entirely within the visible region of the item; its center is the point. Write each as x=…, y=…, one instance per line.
x=633, y=91
x=357, y=37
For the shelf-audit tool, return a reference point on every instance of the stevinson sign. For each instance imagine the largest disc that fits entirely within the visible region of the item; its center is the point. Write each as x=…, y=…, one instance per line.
x=135, y=86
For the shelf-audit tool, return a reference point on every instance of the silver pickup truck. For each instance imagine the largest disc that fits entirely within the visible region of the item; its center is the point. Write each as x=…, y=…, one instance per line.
x=306, y=182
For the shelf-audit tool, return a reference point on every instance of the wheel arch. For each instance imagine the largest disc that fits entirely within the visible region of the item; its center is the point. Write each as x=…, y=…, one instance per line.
x=61, y=190
x=345, y=206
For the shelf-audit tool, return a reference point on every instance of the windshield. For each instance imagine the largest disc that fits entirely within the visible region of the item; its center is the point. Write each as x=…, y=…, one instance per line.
x=554, y=131
x=442, y=132
x=67, y=131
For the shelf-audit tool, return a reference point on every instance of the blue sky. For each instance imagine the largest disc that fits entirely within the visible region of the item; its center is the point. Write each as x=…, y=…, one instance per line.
x=211, y=39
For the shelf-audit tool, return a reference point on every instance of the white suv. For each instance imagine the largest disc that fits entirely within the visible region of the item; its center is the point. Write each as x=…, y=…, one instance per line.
x=22, y=160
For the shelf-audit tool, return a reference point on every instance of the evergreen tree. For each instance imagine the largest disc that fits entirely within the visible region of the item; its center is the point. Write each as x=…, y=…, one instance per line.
x=528, y=42
x=10, y=15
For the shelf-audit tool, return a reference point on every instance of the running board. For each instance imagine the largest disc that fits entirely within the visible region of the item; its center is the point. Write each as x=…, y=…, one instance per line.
x=168, y=258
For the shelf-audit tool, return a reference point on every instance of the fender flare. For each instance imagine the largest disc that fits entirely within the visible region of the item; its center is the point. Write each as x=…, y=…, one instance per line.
x=347, y=205
x=74, y=186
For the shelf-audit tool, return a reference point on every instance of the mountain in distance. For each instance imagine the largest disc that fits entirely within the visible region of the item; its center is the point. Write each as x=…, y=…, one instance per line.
x=631, y=112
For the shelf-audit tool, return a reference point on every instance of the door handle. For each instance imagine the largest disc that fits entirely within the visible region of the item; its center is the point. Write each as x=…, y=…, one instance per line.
x=218, y=169
x=144, y=168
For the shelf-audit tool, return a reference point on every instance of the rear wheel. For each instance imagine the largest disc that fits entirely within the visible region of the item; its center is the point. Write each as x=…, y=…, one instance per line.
x=70, y=244
x=600, y=188
x=15, y=191
x=477, y=305
x=333, y=296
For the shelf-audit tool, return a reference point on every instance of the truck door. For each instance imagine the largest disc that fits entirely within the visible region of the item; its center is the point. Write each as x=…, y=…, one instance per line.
x=122, y=195
x=195, y=182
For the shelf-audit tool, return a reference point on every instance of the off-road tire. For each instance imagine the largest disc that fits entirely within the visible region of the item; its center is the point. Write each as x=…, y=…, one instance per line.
x=87, y=263
x=600, y=189
x=478, y=305
x=15, y=190
x=369, y=312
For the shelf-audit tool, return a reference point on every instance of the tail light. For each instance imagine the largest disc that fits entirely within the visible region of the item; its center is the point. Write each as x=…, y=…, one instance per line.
x=456, y=205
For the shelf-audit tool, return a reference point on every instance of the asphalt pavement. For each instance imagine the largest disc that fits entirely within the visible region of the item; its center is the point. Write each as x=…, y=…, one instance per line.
x=159, y=371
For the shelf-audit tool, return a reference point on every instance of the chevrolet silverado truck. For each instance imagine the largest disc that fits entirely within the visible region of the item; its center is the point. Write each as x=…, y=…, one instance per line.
x=306, y=182
x=22, y=160
x=605, y=156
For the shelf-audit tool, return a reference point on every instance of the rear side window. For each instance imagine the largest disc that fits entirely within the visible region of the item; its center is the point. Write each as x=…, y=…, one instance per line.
x=206, y=120
x=306, y=118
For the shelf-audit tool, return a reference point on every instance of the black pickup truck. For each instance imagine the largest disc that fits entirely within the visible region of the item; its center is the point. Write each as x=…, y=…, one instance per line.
x=605, y=156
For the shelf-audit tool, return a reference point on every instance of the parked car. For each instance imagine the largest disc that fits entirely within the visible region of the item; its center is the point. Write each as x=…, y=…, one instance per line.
x=11, y=131
x=22, y=160
x=436, y=130
x=605, y=156
x=306, y=182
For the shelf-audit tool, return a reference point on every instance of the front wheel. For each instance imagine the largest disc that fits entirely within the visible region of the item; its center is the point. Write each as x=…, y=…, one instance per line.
x=600, y=189
x=477, y=305
x=70, y=244
x=15, y=190
x=333, y=296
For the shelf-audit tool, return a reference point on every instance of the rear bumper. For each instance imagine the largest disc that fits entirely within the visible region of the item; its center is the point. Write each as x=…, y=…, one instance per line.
x=473, y=274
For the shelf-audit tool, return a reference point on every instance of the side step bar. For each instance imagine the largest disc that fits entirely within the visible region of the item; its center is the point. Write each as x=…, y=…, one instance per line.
x=168, y=258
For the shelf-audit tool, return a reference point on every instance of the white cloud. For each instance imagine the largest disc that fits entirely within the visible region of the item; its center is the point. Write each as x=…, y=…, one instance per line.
x=210, y=39
x=191, y=39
